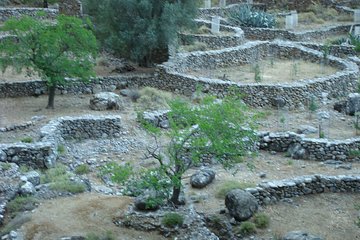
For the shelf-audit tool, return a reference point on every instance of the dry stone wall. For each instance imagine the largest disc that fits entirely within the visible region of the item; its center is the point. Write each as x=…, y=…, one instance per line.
x=6, y=13
x=274, y=191
x=70, y=7
x=43, y=153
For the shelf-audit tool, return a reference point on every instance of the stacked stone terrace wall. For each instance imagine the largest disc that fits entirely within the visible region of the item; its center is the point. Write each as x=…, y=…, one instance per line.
x=213, y=41
x=274, y=191
x=6, y=13
x=317, y=149
x=43, y=153
x=173, y=75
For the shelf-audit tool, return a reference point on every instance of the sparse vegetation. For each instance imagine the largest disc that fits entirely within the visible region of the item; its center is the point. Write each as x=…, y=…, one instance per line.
x=227, y=186
x=61, y=149
x=27, y=140
x=20, y=204
x=261, y=220
x=119, y=173
x=82, y=169
x=5, y=166
x=172, y=220
x=247, y=228
x=247, y=16
x=105, y=236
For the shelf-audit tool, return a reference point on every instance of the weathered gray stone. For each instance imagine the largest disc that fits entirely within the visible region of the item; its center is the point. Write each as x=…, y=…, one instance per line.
x=241, y=204
x=306, y=129
x=106, y=101
x=202, y=178
x=353, y=104
x=296, y=151
x=33, y=177
x=3, y=156
x=27, y=189
x=300, y=235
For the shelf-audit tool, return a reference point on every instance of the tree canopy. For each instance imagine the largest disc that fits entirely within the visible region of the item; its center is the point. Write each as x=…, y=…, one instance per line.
x=56, y=51
x=222, y=129
x=139, y=29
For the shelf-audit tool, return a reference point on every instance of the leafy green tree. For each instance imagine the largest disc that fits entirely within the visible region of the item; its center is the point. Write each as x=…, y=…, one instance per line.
x=221, y=128
x=56, y=51
x=139, y=29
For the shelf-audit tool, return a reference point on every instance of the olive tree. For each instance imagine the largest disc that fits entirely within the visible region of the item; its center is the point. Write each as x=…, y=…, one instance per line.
x=56, y=51
x=222, y=129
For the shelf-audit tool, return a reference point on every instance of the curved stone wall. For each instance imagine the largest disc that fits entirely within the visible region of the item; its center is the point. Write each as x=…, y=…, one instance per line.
x=43, y=153
x=174, y=77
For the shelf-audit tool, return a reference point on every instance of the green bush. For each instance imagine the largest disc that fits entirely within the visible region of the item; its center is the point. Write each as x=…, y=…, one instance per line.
x=246, y=16
x=61, y=149
x=119, y=173
x=261, y=220
x=172, y=220
x=227, y=186
x=82, y=169
x=67, y=186
x=20, y=204
x=247, y=228
x=27, y=140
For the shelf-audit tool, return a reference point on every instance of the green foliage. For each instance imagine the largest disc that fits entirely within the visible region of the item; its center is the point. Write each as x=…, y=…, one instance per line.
x=27, y=140
x=57, y=51
x=354, y=153
x=261, y=220
x=356, y=42
x=82, y=169
x=105, y=236
x=357, y=222
x=257, y=72
x=153, y=99
x=247, y=16
x=5, y=166
x=24, y=168
x=290, y=162
x=60, y=180
x=20, y=204
x=139, y=29
x=220, y=128
x=313, y=106
x=119, y=173
x=172, y=220
x=227, y=186
x=61, y=149
x=247, y=228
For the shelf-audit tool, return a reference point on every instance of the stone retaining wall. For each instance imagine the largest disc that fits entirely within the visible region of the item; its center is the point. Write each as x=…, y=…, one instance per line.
x=233, y=37
x=43, y=154
x=316, y=149
x=6, y=13
x=274, y=191
x=172, y=76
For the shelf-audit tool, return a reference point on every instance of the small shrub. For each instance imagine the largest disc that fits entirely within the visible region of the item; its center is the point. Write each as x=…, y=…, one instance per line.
x=195, y=46
x=27, y=140
x=172, y=220
x=82, y=169
x=61, y=149
x=357, y=222
x=24, y=168
x=5, y=166
x=230, y=185
x=290, y=162
x=153, y=99
x=20, y=204
x=354, y=153
x=247, y=228
x=261, y=220
x=105, y=236
x=257, y=76
x=119, y=173
x=67, y=186
x=203, y=30
x=247, y=16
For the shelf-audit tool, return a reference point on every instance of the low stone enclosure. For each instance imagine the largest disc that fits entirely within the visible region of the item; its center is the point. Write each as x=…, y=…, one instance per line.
x=43, y=153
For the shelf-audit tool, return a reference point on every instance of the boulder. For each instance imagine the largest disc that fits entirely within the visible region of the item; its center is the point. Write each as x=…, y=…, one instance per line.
x=278, y=102
x=106, y=101
x=353, y=104
x=3, y=156
x=296, y=151
x=306, y=129
x=300, y=235
x=202, y=178
x=142, y=201
x=33, y=177
x=241, y=204
x=27, y=189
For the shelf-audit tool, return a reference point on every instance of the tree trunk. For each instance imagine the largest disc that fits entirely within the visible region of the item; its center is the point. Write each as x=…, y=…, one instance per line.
x=45, y=4
x=51, y=97
x=175, y=196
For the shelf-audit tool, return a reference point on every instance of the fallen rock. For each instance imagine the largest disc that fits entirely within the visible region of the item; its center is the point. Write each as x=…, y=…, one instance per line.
x=202, y=178
x=27, y=189
x=241, y=204
x=296, y=151
x=306, y=129
x=106, y=101
x=300, y=235
x=33, y=177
